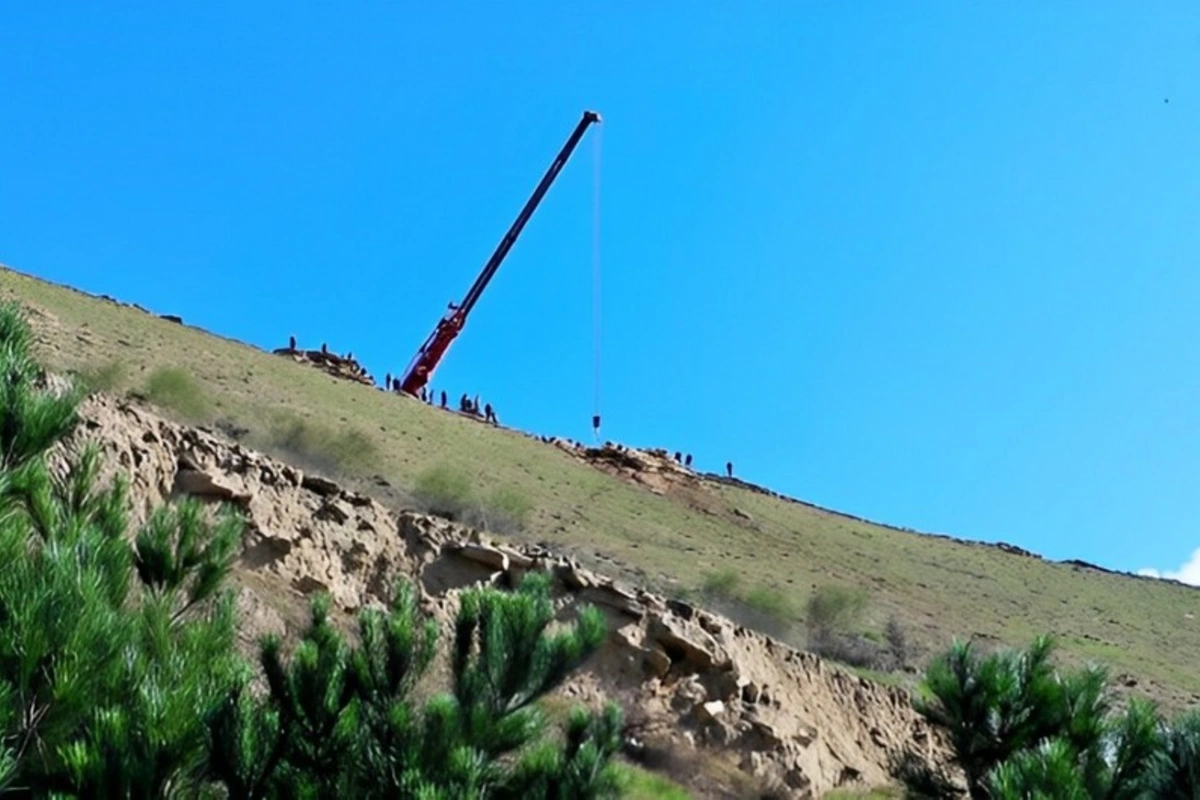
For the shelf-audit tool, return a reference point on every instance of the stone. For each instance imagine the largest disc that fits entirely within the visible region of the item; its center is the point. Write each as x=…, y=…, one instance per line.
x=687, y=642
x=486, y=555
x=658, y=663
x=319, y=485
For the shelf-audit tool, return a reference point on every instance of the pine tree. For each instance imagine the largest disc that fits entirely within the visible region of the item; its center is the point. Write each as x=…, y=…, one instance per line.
x=343, y=720
x=107, y=650
x=1020, y=729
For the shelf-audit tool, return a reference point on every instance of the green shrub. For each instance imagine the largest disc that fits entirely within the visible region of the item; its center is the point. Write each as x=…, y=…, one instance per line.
x=174, y=388
x=320, y=446
x=107, y=377
x=769, y=601
x=833, y=610
x=505, y=511
x=445, y=491
x=721, y=584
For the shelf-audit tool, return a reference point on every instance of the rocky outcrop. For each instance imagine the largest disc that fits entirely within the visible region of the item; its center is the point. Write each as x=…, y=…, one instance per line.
x=344, y=367
x=686, y=676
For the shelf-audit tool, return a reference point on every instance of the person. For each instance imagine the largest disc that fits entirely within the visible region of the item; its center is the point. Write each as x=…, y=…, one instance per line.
x=475, y=407
x=678, y=457
x=443, y=398
x=324, y=349
x=687, y=461
x=291, y=342
x=387, y=381
x=729, y=468
x=488, y=415
x=464, y=404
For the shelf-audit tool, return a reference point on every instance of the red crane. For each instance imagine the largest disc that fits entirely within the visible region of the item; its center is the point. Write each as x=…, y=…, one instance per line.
x=425, y=362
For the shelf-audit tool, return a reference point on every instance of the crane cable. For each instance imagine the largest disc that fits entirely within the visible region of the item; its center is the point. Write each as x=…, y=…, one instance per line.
x=597, y=149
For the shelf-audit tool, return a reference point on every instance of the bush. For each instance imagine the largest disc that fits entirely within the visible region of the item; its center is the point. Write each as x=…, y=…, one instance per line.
x=505, y=511
x=107, y=377
x=769, y=601
x=721, y=584
x=834, y=610
x=444, y=491
x=447, y=492
x=175, y=389
x=899, y=647
x=314, y=445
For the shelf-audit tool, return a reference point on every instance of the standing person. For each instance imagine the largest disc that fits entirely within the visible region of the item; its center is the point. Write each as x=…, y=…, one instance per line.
x=475, y=406
x=387, y=381
x=687, y=461
x=729, y=468
x=678, y=457
x=292, y=343
x=443, y=398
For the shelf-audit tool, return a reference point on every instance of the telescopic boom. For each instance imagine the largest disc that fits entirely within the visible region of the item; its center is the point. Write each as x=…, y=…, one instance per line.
x=426, y=361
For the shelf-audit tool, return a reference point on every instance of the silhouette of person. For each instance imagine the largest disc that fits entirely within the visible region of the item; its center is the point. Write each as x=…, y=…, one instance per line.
x=729, y=468
x=678, y=457
x=324, y=349
x=687, y=461
x=291, y=342
x=387, y=381
x=443, y=398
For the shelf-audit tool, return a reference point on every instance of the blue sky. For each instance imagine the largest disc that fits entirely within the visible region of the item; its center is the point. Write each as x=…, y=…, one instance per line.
x=929, y=263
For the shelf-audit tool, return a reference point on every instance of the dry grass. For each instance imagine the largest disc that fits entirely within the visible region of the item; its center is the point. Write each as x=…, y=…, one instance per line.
x=937, y=588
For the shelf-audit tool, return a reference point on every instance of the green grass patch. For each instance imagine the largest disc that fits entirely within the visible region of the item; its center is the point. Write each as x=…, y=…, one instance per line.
x=640, y=784
x=722, y=583
x=175, y=389
x=448, y=492
x=107, y=377
x=769, y=601
x=313, y=444
x=835, y=609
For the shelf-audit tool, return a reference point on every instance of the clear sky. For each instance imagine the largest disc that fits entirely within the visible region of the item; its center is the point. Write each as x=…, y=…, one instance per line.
x=934, y=263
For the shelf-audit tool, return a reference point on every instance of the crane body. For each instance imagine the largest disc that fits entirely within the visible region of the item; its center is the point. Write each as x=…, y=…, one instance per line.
x=420, y=370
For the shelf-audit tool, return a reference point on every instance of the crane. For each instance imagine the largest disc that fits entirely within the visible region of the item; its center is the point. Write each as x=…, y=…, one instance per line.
x=420, y=370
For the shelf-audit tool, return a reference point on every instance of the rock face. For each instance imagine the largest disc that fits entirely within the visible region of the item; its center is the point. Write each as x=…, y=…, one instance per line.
x=684, y=676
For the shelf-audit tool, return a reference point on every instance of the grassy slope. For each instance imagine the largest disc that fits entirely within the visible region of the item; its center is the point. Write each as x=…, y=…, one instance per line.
x=940, y=588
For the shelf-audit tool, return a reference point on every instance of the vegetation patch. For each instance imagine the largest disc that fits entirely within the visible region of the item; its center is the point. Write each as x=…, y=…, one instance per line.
x=447, y=492
x=175, y=389
x=760, y=607
x=107, y=377
x=315, y=445
x=641, y=784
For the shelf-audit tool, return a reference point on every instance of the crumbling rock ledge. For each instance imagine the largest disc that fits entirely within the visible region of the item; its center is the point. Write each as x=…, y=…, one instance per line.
x=684, y=675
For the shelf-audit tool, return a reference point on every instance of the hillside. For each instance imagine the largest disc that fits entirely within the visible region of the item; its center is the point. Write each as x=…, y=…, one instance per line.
x=670, y=538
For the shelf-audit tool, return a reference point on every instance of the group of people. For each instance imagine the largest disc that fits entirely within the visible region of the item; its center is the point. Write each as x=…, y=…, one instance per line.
x=469, y=406
x=686, y=460
x=466, y=404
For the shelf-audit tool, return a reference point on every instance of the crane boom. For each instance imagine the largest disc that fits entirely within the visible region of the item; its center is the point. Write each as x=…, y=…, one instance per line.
x=426, y=361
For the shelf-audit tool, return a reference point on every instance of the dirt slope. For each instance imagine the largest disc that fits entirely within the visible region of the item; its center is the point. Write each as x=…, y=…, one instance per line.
x=688, y=678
